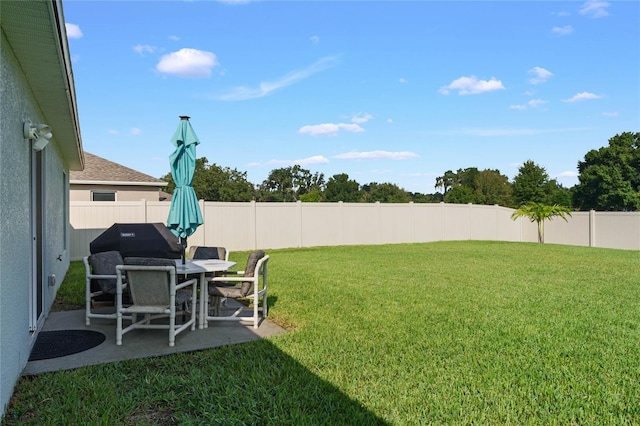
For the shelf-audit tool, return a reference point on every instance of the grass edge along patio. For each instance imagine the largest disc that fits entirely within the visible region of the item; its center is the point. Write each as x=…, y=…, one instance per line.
x=453, y=332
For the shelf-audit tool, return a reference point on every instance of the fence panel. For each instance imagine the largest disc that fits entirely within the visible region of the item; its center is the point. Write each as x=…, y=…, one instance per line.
x=396, y=223
x=617, y=230
x=278, y=225
x=361, y=223
x=428, y=222
x=321, y=224
x=456, y=222
x=251, y=225
x=230, y=225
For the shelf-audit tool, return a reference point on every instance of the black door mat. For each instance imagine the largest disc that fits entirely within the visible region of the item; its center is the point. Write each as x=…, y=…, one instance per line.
x=54, y=344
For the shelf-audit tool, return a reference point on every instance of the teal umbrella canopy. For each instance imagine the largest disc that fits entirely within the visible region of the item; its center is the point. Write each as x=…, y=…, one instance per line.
x=184, y=215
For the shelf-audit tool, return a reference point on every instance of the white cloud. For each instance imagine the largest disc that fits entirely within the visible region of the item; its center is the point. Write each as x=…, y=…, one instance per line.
x=188, y=63
x=389, y=120
x=595, y=8
x=583, y=96
x=541, y=75
x=326, y=129
x=316, y=159
x=266, y=88
x=314, y=39
x=135, y=131
x=567, y=174
x=141, y=49
x=361, y=118
x=403, y=80
x=73, y=31
x=535, y=103
x=567, y=29
x=329, y=129
x=113, y=132
x=561, y=13
x=174, y=38
x=610, y=114
x=472, y=86
x=377, y=155
x=351, y=127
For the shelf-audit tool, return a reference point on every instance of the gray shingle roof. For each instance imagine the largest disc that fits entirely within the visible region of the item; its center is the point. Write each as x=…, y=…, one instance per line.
x=101, y=170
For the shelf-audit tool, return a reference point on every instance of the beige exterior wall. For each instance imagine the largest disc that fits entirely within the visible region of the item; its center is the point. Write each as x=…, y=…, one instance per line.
x=246, y=226
x=123, y=193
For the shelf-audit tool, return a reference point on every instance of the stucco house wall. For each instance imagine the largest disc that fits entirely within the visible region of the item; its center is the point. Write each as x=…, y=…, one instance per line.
x=26, y=96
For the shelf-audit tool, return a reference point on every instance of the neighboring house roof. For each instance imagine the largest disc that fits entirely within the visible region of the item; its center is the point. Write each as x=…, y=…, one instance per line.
x=99, y=171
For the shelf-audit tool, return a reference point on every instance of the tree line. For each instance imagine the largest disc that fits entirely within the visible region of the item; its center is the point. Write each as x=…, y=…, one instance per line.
x=609, y=179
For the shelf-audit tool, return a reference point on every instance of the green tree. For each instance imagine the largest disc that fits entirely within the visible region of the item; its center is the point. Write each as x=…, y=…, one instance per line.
x=313, y=196
x=418, y=197
x=383, y=193
x=471, y=185
x=533, y=185
x=446, y=182
x=459, y=195
x=491, y=187
x=538, y=212
x=609, y=178
x=289, y=183
x=214, y=183
x=340, y=188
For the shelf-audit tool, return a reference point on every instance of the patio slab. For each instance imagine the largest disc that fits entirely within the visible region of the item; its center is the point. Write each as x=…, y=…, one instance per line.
x=143, y=343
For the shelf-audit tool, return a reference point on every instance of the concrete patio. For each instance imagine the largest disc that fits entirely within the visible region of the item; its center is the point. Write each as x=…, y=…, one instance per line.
x=143, y=343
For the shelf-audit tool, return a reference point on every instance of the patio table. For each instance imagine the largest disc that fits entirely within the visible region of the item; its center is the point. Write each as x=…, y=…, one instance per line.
x=201, y=267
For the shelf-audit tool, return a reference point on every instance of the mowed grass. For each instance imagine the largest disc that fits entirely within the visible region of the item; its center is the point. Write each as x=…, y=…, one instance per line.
x=437, y=333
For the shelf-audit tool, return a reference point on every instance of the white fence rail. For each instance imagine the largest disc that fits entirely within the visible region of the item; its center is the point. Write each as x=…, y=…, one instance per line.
x=251, y=225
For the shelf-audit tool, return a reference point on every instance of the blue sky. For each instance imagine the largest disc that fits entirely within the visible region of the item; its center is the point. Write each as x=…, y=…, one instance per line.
x=394, y=92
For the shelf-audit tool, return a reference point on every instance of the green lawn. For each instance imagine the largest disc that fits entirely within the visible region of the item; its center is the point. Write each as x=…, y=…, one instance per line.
x=442, y=333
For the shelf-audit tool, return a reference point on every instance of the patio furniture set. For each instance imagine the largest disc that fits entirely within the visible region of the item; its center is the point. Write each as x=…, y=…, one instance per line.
x=150, y=292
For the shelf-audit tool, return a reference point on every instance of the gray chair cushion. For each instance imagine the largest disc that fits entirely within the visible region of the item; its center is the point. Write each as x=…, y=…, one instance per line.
x=104, y=264
x=182, y=296
x=233, y=292
x=221, y=289
x=202, y=252
x=250, y=270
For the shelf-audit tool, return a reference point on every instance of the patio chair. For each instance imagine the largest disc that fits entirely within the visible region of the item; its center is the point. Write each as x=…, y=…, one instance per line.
x=155, y=295
x=100, y=282
x=249, y=284
x=203, y=252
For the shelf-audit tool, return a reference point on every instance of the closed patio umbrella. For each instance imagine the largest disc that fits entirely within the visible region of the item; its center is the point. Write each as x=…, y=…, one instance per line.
x=184, y=215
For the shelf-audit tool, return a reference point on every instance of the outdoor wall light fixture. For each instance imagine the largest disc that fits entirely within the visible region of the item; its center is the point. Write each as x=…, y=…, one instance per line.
x=38, y=133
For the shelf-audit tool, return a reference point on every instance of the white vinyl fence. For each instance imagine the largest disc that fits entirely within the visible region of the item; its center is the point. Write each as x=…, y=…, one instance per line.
x=251, y=225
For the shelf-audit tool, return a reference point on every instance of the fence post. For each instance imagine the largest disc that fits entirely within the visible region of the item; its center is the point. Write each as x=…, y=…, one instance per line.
x=496, y=207
x=442, y=220
x=253, y=225
x=299, y=207
x=204, y=223
x=379, y=220
x=143, y=206
x=412, y=218
x=341, y=211
x=592, y=228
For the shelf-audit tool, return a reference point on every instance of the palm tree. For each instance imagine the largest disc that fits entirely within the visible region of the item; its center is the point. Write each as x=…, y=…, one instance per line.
x=538, y=212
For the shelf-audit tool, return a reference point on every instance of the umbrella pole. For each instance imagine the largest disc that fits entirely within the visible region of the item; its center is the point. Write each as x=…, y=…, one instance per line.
x=184, y=249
